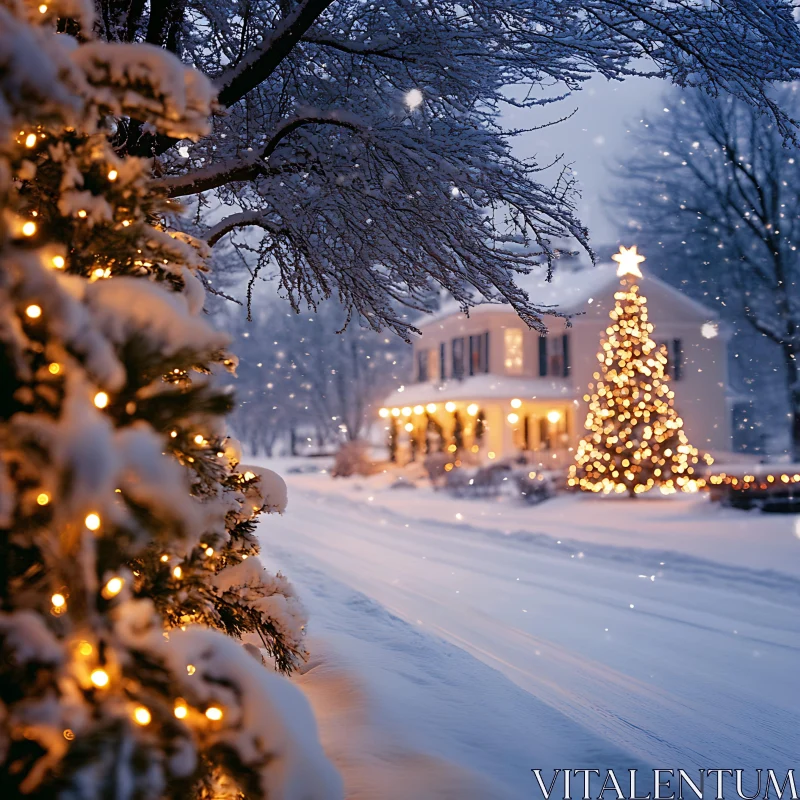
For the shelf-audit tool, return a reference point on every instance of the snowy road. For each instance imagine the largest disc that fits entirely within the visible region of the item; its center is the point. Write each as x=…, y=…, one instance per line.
x=610, y=655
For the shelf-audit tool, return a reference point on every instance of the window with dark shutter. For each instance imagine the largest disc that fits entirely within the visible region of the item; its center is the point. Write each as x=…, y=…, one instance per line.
x=542, y=356
x=422, y=366
x=479, y=353
x=474, y=355
x=442, y=361
x=567, y=366
x=458, y=357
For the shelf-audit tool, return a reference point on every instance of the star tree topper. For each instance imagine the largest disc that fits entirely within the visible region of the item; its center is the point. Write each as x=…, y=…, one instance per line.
x=628, y=260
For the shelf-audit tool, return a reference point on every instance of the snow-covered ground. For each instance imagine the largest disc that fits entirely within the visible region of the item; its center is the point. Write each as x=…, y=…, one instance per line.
x=493, y=637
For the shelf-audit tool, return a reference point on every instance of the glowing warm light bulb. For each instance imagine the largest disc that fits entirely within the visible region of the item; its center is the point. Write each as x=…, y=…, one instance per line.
x=513, y=418
x=30, y=140
x=407, y=411
x=58, y=600
x=114, y=587
x=54, y=368
x=198, y=439
x=85, y=648
x=99, y=678
x=248, y=476
x=383, y=413
x=419, y=409
x=395, y=412
x=214, y=713
x=164, y=558
x=191, y=669
x=112, y=175
x=101, y=400
x=553, y=417
x=472, y=409
x=431, y=408
x=181, y=711
x=141, y=716
x=92, y=521
x=209, y=551
x=177, y=573
x=43, y=498
x=58, y=262
x=33, y=311
x=82, y=213
x=516, y=403
x=450, y=407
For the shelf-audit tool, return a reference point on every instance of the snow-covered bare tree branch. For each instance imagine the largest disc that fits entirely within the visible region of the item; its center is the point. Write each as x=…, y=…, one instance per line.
x=363, y=140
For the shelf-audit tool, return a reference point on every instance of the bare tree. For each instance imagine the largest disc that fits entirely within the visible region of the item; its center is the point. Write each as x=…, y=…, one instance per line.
x=302, y=373
x=358, y=147
x=715, y=181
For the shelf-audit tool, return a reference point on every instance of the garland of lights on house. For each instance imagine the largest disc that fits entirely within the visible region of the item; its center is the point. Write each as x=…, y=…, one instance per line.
x=635, y=438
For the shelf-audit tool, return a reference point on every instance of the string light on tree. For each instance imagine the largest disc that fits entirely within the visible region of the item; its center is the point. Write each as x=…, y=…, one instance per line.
x=635, y=438
x=99, y=678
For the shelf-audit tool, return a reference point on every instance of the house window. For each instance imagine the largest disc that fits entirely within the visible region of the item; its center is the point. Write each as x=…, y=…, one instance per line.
x=674, y=365
x=513, y=351
x=422, y=366
x=458, y=357
x=479, y=354
x=554, y=356
x=433, y=364
x=442, y=361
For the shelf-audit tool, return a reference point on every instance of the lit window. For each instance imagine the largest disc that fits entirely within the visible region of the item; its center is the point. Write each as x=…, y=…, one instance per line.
x=513, y=351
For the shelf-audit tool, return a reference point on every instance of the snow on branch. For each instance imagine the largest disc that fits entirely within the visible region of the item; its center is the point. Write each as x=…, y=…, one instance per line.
x=245, y=219
x=259, y=65
x=251, y=165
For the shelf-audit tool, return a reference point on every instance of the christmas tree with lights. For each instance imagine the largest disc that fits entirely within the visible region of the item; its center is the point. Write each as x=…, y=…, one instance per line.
x=134, y=613
x=635, y=438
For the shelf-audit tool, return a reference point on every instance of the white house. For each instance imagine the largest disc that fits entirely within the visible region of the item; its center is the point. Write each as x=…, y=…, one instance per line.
x=527, y=390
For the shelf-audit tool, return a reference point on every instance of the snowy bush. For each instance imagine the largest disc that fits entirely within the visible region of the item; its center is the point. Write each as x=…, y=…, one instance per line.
x=353, y=458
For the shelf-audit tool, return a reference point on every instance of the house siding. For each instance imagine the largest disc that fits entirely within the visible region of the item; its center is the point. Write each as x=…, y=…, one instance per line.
x=700, y=394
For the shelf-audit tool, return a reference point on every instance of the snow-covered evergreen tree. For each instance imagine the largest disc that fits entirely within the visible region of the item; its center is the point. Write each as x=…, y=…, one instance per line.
x=125, y=518
x=362, y=153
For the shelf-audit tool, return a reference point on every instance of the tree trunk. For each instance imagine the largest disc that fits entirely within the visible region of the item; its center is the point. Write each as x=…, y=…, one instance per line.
x=793, y=385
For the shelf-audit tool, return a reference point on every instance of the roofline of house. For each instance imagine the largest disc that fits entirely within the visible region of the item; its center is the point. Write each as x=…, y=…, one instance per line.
x=505, y=308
